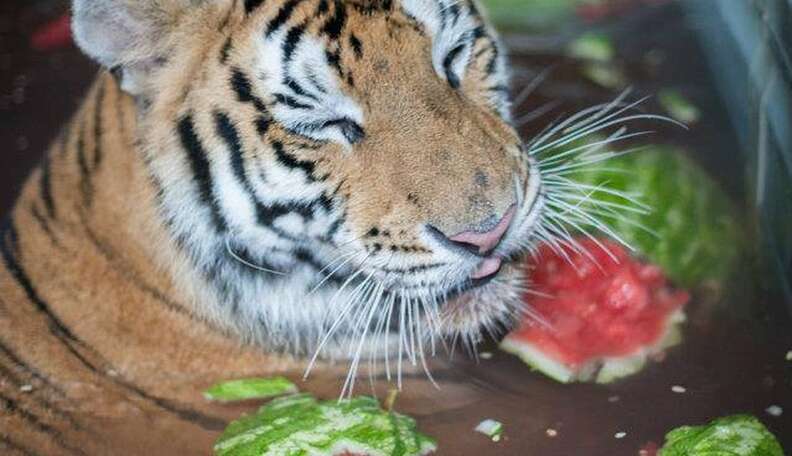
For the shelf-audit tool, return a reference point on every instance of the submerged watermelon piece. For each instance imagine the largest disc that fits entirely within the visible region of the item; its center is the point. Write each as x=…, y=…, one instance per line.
x=601, y=315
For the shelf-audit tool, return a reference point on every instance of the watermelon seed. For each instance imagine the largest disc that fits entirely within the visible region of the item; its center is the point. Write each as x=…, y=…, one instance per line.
x=551, y=433
x=679, y=389
x=774, y=410
x=620, y=435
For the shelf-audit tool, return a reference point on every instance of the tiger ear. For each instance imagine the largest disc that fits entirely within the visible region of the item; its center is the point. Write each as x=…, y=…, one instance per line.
x=130, y=36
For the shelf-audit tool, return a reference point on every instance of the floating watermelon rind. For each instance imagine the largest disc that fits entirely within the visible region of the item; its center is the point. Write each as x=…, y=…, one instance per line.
x=602, y=370
x=691, y=230
x=301, y=425
x=738, y=435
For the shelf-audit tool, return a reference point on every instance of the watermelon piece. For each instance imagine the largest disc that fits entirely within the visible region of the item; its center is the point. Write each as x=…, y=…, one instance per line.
x=601, y=314
x=300, y=425
x=250, y=388
x=738, y=435
x=691, y=231
x=53, y=35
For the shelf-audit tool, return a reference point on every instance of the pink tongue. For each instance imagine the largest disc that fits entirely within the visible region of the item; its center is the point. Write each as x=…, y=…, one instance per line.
x=487, y=268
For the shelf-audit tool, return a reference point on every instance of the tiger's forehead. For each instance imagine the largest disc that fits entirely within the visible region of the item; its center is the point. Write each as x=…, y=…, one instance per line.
x=320, y=60
x=446, y=22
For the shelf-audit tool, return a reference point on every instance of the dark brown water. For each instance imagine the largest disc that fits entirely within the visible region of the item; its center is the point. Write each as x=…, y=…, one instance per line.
x=732, y=360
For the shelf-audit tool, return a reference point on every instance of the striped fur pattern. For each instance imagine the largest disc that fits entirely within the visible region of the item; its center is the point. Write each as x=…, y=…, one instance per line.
x=254, y=180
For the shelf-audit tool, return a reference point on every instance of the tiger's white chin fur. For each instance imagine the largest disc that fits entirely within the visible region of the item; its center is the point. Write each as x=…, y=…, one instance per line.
x=490, y=308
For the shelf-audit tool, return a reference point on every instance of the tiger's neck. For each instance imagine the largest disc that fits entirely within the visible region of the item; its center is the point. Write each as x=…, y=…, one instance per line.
x=84, y=249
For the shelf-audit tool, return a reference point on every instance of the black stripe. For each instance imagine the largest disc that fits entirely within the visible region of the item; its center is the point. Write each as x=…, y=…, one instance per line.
x=334, y=227
x=283, y=15
x=479, y=32
x=324, y=202
x=225, y=51
x=370, y=7
x=333, y=27
x=453, y=78
x=293, y=38
x=290, y=101
x=290, y=161
x=357, y=46
x=322, y=8
x=263, y=125
x=45, y=186
x=491, y=65
x=251, y=5
x=44, y=225
x=244, y=90
x=298, y=89
x=97, y=159
x=443, y=16
x=196, y=155
x=453, y=8
x=86, y=186
x=334, y=60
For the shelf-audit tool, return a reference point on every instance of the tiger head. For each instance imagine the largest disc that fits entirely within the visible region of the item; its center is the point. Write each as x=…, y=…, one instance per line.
x=327, y=170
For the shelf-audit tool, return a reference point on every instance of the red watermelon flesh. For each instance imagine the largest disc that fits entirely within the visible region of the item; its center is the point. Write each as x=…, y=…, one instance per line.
x=601, y=314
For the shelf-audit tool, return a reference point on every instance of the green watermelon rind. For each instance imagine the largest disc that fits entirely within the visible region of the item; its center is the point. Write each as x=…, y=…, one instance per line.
x=602, y=370
x=737, y=435
x=694, y=235
x=300, y=425
x=250, y=388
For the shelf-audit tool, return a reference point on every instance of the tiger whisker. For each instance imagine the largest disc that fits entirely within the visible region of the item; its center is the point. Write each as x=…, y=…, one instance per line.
x=534, y=114
x=532, y=85
x=241, y=260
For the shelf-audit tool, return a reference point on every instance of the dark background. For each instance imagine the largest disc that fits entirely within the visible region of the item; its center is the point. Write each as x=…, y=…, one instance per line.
x=38, y=90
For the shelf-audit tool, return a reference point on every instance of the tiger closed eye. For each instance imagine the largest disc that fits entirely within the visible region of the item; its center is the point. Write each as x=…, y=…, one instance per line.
x=351, y=130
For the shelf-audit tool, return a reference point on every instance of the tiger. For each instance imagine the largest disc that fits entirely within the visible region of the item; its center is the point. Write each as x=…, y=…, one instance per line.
x=247, y=186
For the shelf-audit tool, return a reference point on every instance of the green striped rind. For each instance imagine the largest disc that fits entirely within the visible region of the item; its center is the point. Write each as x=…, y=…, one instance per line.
x=696, y=236
x=738, y=435
x=250, y=388
x=300, y=425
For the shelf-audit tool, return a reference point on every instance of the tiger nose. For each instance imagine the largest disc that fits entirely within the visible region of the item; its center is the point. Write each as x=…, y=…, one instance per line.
x=483, y=242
